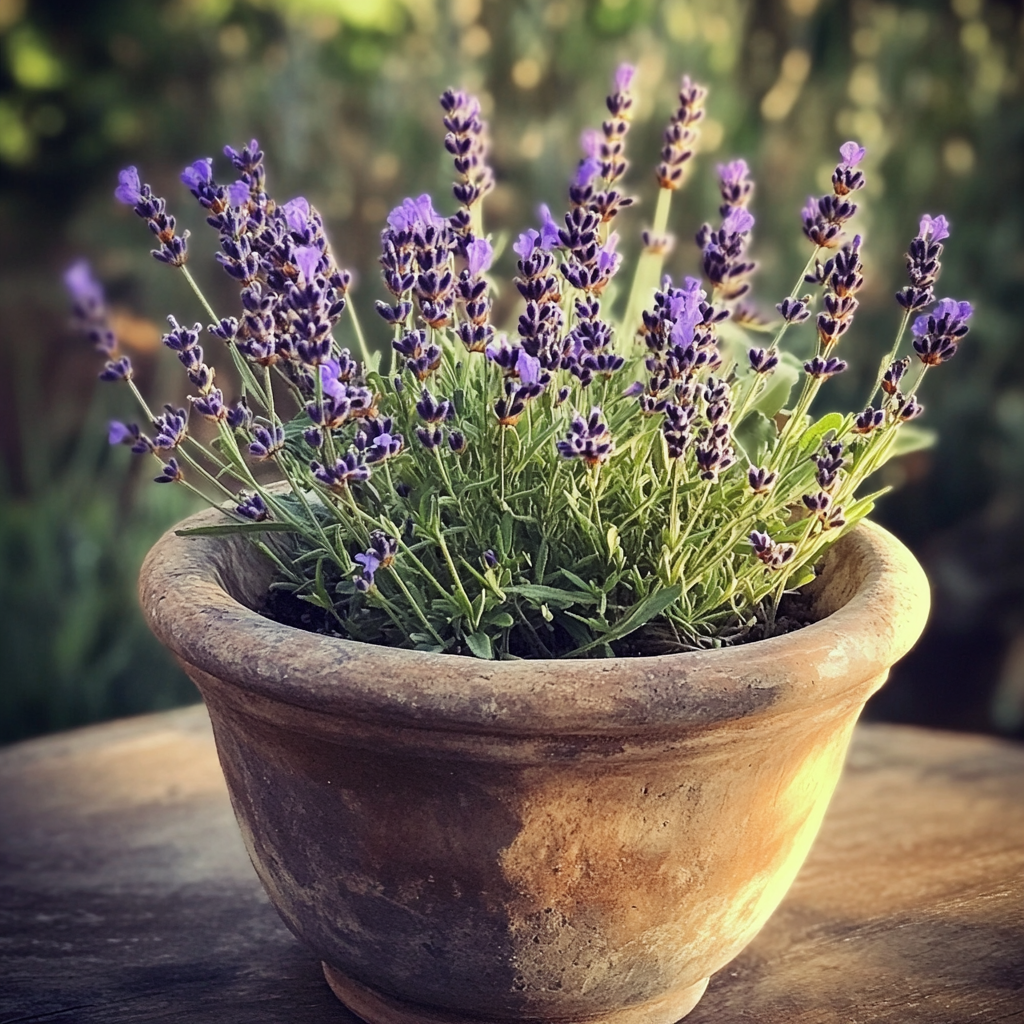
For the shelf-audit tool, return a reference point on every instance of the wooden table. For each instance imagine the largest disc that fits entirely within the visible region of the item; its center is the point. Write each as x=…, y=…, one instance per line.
x=126, y=894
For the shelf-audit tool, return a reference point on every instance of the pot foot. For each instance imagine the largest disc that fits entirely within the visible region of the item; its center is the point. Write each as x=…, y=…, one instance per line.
x=377, y=1008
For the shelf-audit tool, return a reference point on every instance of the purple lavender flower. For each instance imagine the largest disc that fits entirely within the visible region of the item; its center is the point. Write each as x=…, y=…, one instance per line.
x=924, y=263
x=773, y=555
x=868, y=421
x=933, y=229
x=852, y=154
x=129, y=434
x=378, y=439
x=430, y=437
x=762, y=361
x=524, y=245
x=588, y=439
x=734, y=183
x=129, y=187
x=296, y=214
x=117, y=369
x=795, y=311
x=266, y=442
x=548, y=230
x=121, y=433
x=171, y=428
x=824, y=368
x=479, y=254
x=894, y=374
x=130, y=191
x=170, y=473
x=348, y=469
x=238, y=193
x=819, y=504
x=307, y=259
x=490, y=559
x=467, y=142
x=379, y=555
x=624, y=77
x=89, y=307
x=457, y=441
x=433, y=411
x=908, y=409
x=239, y=416
x=937, y=334
x=196, y=176
x=681, y=135
x=589, y=168
x=211, y=405
x=252, y=507
x=761, y=479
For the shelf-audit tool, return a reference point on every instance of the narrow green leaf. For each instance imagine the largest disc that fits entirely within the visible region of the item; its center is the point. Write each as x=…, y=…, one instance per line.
x=229, y=528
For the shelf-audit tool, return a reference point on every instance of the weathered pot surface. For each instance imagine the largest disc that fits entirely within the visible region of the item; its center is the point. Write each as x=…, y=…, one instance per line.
x=531, y=841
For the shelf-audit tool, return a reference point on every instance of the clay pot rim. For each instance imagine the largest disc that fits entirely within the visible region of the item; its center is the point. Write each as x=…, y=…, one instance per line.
x=189, y=588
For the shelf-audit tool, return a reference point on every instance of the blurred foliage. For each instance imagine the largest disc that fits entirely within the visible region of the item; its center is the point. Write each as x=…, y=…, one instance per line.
x=341, y=94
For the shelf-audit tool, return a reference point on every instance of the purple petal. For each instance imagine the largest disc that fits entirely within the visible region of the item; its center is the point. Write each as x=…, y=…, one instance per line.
x=198, y=173
x=527, y=367
x=920, y=326
x=934, y=228
x=118, y=432
x=296, y=213
x=590, y=142
x=238, y=193
x=587, y=171
x=129, y=188
x=965, y=310
x=479, y=254
x=307, y=259
x=733, y=172
x=624, y=77
x=548, y=230
x=526, y=243
x=402, y=218
x=425, y=213
x=82, y=286
x=852, y=153
x=739, y=221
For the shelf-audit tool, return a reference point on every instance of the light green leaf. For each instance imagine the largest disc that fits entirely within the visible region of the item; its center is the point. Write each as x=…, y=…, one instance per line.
x=538, y=595
x=778, y=389
x=812, y=436
x=755, y=435
x=480, y=645
x=911, y=438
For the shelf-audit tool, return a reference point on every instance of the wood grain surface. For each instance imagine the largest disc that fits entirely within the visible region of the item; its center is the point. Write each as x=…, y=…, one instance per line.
x=126, y=894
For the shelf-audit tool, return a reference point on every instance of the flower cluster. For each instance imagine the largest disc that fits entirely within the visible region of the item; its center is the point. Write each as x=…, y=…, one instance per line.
x=582, y=479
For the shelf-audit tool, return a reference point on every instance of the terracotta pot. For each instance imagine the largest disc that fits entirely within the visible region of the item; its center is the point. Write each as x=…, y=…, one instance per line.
x=531, y=841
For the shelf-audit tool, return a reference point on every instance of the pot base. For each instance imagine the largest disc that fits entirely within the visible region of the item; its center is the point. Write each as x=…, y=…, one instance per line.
x=377, y=1008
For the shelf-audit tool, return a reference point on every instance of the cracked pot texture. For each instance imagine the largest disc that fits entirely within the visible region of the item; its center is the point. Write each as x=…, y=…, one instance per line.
x=530, y=841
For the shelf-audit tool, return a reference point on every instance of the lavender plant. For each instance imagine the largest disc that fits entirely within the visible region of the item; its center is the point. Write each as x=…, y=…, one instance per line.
x=580, y=483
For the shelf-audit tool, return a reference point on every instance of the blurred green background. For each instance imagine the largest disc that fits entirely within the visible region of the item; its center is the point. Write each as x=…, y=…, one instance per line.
x=342, y=95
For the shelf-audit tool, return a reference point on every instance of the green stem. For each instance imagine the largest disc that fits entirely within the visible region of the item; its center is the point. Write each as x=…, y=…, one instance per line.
x=648, y=267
